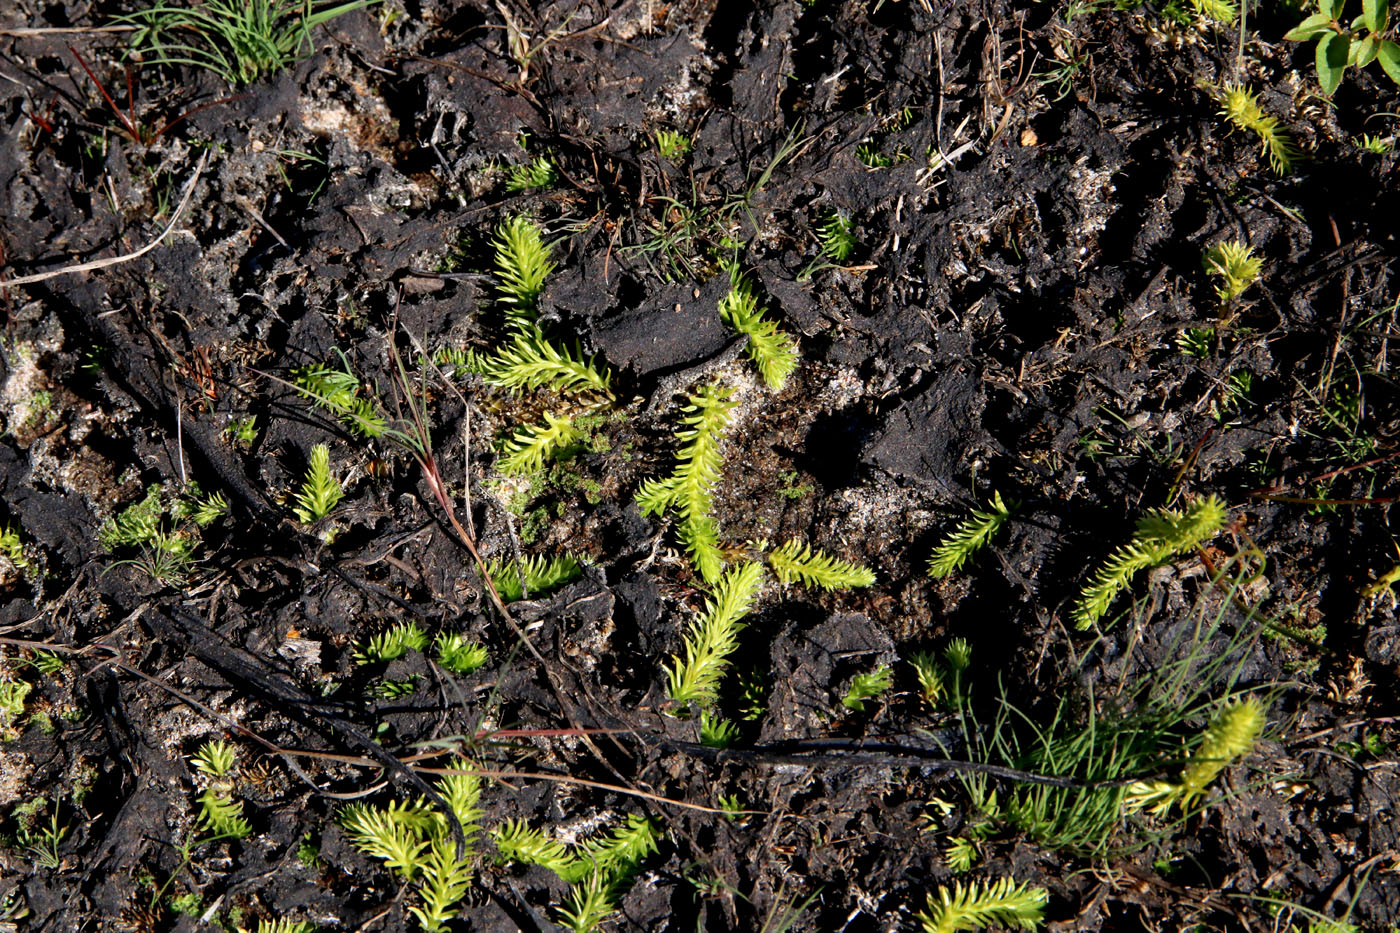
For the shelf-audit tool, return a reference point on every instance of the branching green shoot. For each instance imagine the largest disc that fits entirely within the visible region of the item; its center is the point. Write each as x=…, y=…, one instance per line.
x=321, y=491
x=796, y=561
x=968, y=538
x=522, y=265
x=1240, y=106
x=867, y=686
x=1003, y=903
x=772, y=351
x=713, y=637
x=530, y=361
x=392, y=644
x=1236, y=265
x=533, y=444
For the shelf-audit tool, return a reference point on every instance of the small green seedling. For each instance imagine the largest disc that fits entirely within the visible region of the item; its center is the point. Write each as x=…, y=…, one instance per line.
x=12, y=548
x=458, y=655
x=1368, y=38
x=215, y=758
x=392, y=644
x=867, y=686
x=538, y=575
x=220, y=813
x=672, y=145
x=713, y=637
x=338, y=391
x=539, y=173
x=1235, y=264
x=1161, y=535
x=960, y=854
x=1223, y=12
x=717, y=732
x=243, y=432
x=772, y=351
x=975, y=905
x=534, y=444
x=1241, y=107
x=1230, y=735
x=798, y=562
x=321, y=490
x=968, y=538
x=522, y=265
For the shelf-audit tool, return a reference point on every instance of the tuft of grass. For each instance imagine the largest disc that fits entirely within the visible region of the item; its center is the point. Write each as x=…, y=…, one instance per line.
x=531, y=445
x=1161, y=535
x=522, y=265
x=1003, y=903
x=1241, y=107
x=239, y=40
x=689, y=488
x=713, y=637
x=795, y=561
x=321, y=491
x=968, y=538
x=772, y=351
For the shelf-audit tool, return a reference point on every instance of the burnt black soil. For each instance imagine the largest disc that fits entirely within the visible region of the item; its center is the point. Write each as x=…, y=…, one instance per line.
x=1015, y=318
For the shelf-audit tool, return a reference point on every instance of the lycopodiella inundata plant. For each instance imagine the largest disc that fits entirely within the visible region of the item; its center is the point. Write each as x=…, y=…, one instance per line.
x=968, y=538
x=1241, y=107
x=795, y=561
x=689, y=489
x=713, y=637
x=537, y=575
x=1235, y=264
x=321, y=490
x=1230, y=735
x=522, y=265
x=1002, y=903
x=772, y=350
x=1161, y=535
x=531, y=445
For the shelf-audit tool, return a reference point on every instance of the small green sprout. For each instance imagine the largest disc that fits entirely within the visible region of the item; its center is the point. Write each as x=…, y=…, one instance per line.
x=12, y=696
x=1230, y=735
x=1235, y=263
x=244, y=431
x=1196, y=341
x=221, y=815
x=958, y=654
x=136, y=525
x=867, y=686
x=1376, y=145
x=12, y=548
x=672, y=145
x=542, y=576
x=969, y=537
x=974, y=906
x=960, y=854
x=713, y=637
x=215, y=758
x=338, y=391
x=1241, y=107
x=321, y=491
x=528, y=449
x=773, y=351
x=458, y=655
x=795, y=561
x=837, y=236
x=522, y=264
x=1223, y=12
x=540, y=173
x=392, y=644
x=717, y=732
x=929, y=670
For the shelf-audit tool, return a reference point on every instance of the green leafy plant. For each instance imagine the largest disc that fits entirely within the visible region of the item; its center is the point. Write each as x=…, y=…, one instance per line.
x=1229, y=735
x=1003, y=903
x=1236, y=265
x=1368, y=38
x=772, y=351
x=201, y=509
x=533, y=444
x=522, y=265
x=38, y=841
x=598, y=870
x=215, y=758
x=320, y=491
x=968, y=538
x=239, y=40
x=1223, y=12
x=530, y=361
x=929, y=671
x=416, y=842
x=1376, y=145
x=837, y=237
x=689, y=489
x=135, y=525
x=672, y=145
x=538, y=173
x=458, y=655
x=1161, y=535
x=537, y=575
x=795, y=561
x=12, y=548
x=867, y=686
x=283, y=925
x=713, y=637
x=960, y=854
x=392, y=644
x=1240, y=106
x=244, y=431
x=715, y=731
x=337, y=389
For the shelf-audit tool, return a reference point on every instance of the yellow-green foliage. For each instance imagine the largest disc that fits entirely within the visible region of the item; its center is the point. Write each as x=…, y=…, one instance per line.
x=968, y=538
x=796, y=561
x=772, y=351
x=321, y=491
x=1231, y=734
x=541, y=575
x=533, y=444
x=1236, y=265
x=530, y=361
x=522, y=265
x=713, y=637
x=1241, y=107
x=689, y=488
x=1161, y=535
x=1002, y=903
x=338, y=391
